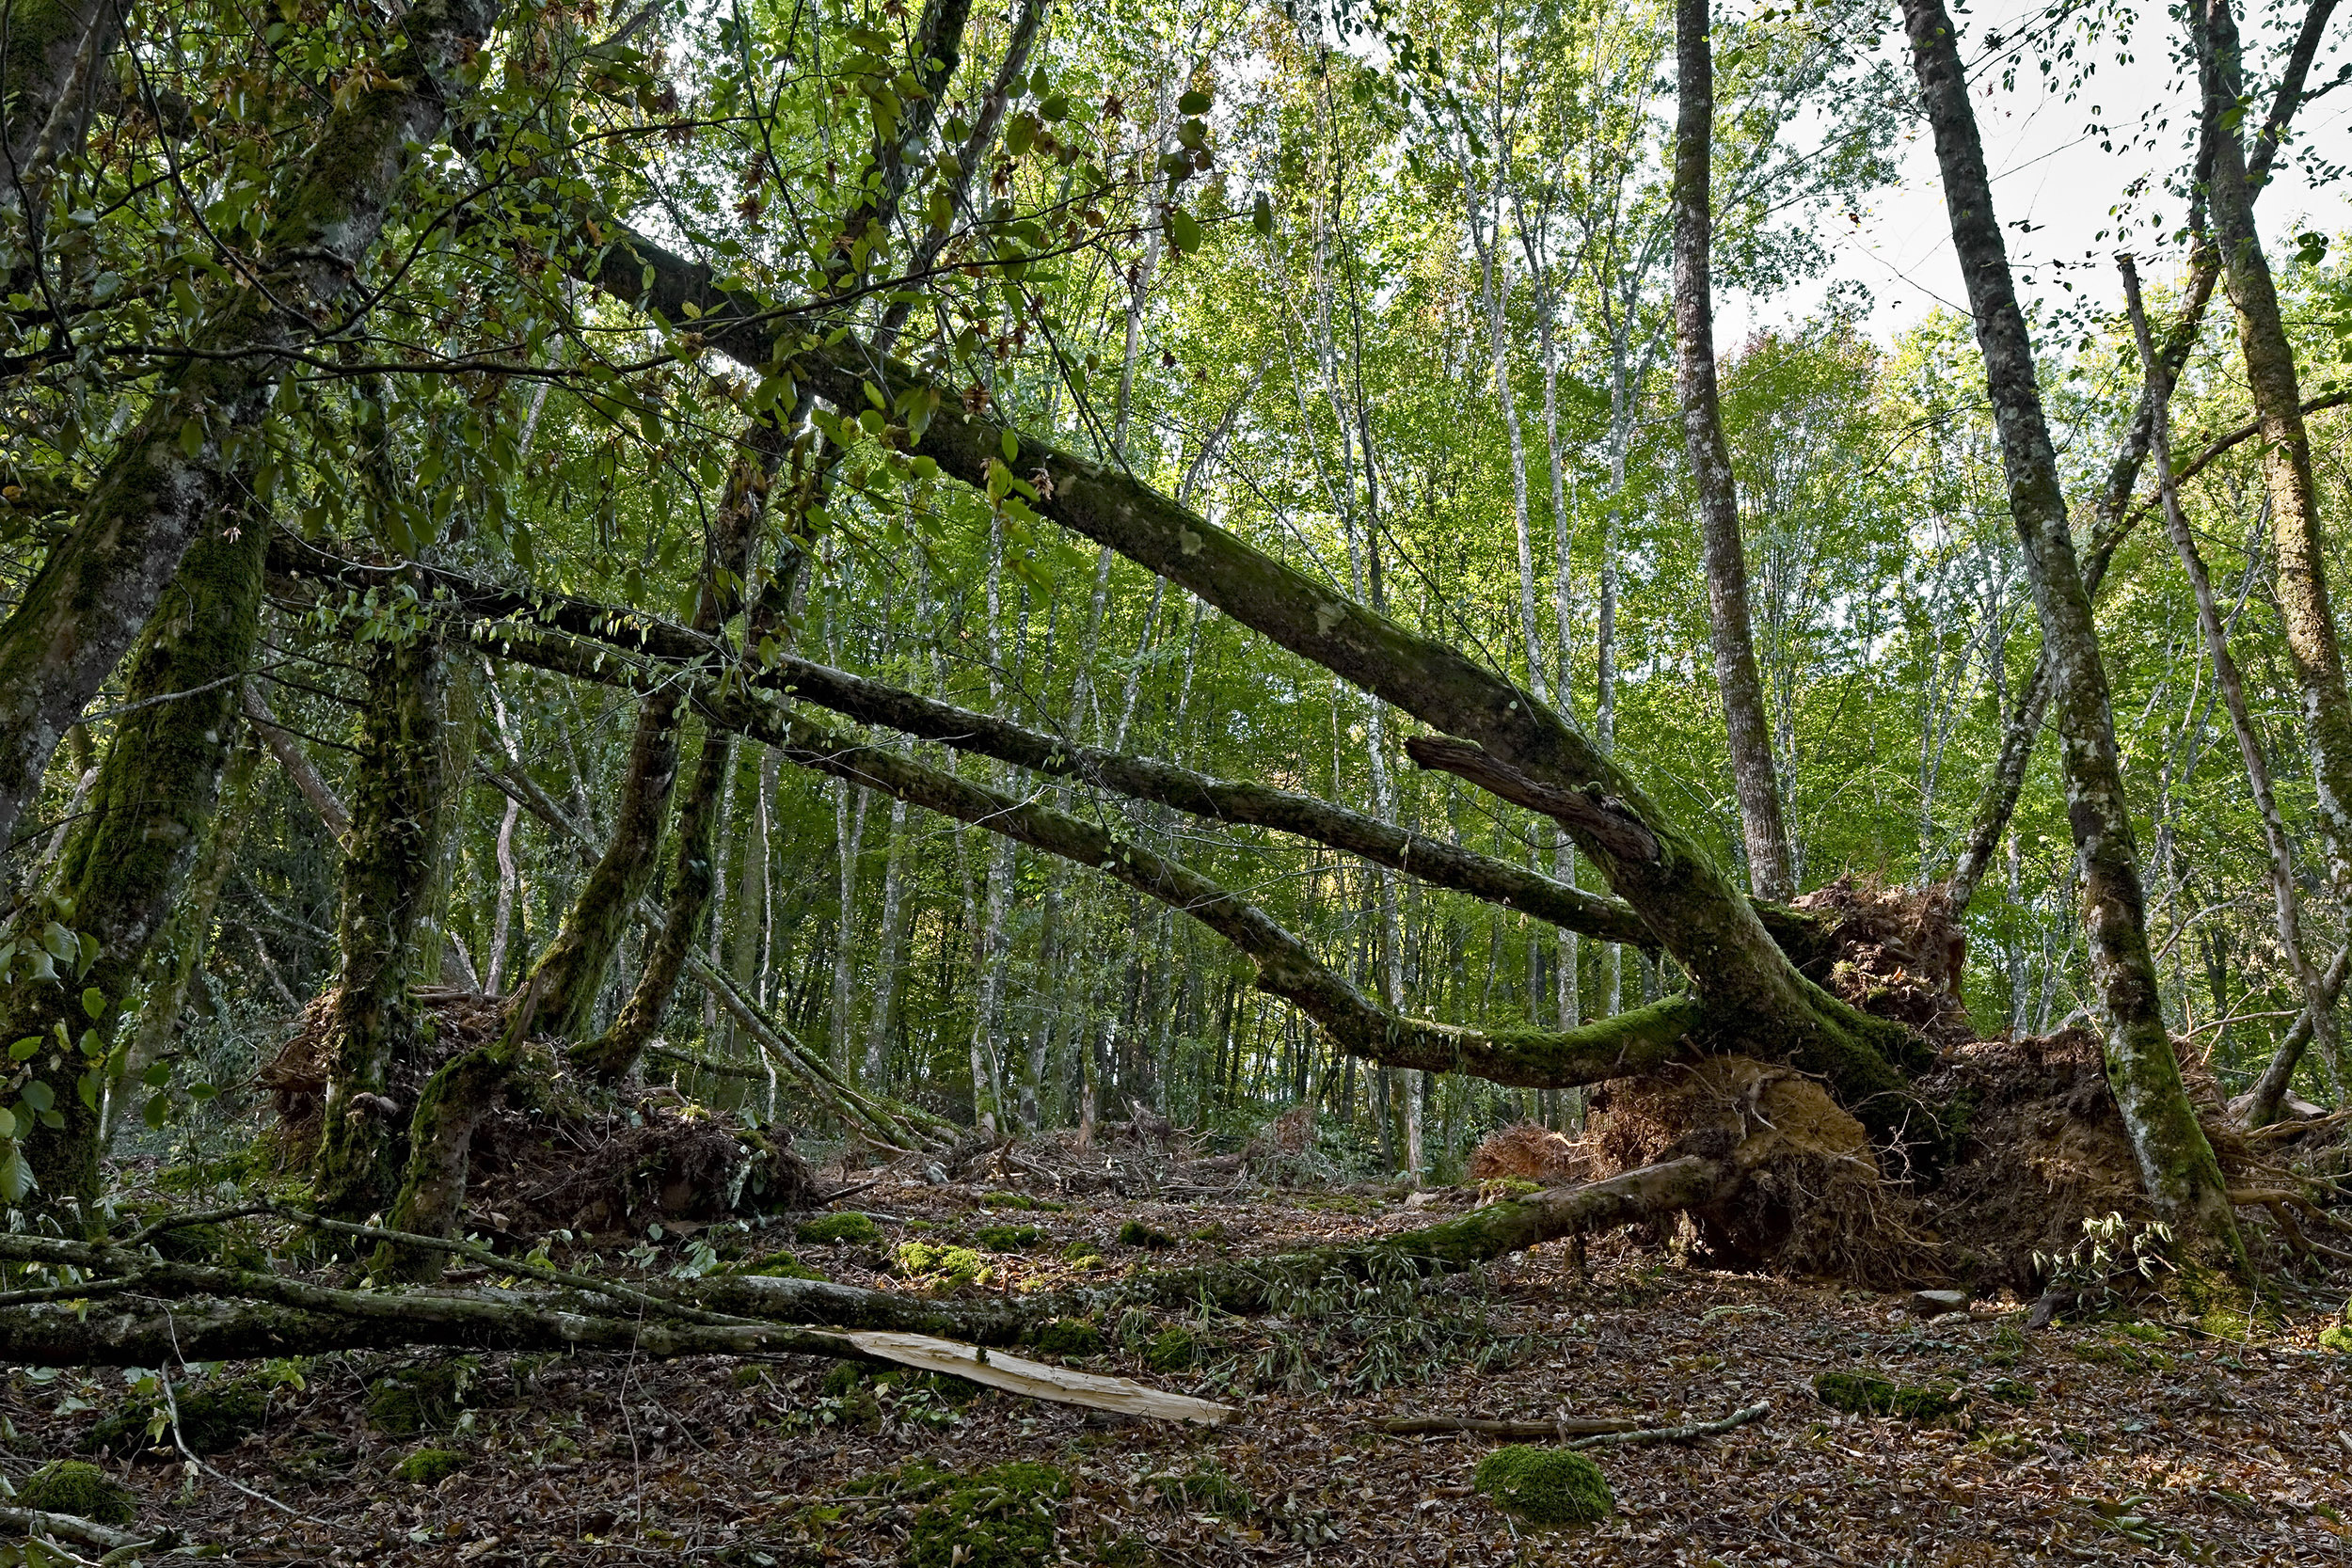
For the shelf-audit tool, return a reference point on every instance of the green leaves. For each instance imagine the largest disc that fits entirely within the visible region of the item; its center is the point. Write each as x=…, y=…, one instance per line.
x=1194, y=103
x=1261, y=213
x=1183, y=231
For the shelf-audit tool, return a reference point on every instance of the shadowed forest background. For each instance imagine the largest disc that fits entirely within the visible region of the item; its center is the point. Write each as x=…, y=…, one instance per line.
x=1145, y=676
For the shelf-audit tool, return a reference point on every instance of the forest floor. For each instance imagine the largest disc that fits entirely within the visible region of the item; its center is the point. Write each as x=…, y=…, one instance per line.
x=2113, y=1442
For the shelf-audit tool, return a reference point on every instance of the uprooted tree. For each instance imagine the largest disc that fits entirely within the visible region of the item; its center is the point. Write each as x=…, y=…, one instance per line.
x=1806, y=1086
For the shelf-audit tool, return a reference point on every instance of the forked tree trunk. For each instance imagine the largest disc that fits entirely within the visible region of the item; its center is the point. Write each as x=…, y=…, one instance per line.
x=2176, y=1164
x=166, y=481
x=1746, y=721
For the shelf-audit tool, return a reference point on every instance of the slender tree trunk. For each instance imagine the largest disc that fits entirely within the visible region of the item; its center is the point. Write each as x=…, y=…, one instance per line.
x=1744, y=718
x=2271, y=1088
x=849, y=831
x=502, y=919
x=891, y=949
x=2176, y=1163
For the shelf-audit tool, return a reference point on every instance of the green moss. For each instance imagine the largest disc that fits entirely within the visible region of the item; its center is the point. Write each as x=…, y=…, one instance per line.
x=1206, y=1490
x=1544, y=1487
x=229, y=1248
x=2009, y=1391
x=77, y=1487
x=953, y=1265
x=830, y=1229
x=211, y=1418
x=1173, y=1350
x=1136, y=1233
x=1070, y=1336
x=778, y=1265
x=1008, y=1238
x=1006, y=1516
x=1868, y=1394
x=418, y=1400
x=430, y=1466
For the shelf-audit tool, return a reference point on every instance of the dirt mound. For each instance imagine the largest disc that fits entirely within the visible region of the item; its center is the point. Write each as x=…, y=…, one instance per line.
x=1894, y=952
x=1814, y=1201
x=1529, y=1153
x=2041, y=1148
x=549, y=1156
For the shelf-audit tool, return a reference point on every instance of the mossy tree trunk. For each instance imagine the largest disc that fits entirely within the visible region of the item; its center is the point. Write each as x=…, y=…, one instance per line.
x=161, y=488
x=389, y=861
x=2176, y=1164
x=126, y=863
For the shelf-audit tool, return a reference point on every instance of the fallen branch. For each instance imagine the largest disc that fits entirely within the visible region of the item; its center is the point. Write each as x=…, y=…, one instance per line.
x=1575, y=1432
x=73, y=1526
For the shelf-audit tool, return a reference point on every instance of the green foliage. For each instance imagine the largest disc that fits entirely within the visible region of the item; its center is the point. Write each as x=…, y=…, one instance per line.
x=837, y=1229
x=1204, y=1490
x=777, y=1265
x=1005, y=1516
x=1173, y=1350
x=2113, y=1252
x=1868, y=1394
x=1544, y=1487
x=77, y=1487
x=430, y=1466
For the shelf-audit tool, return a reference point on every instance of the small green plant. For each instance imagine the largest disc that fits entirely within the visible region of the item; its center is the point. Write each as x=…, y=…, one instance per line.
x=1070, y=1338
x=1136, y=1233
x=2112, y=1250
x=78, y=1487
x=2007, y=1390
x=1173, y=1350
x=1008, y=1238
x=1206, y=1490
x=430, y=1466
x=212, y=1419
x=2336, y=1336
x=1868, y=1394
x=949, y=1265
x=831, y=1229
x=1544, y=1487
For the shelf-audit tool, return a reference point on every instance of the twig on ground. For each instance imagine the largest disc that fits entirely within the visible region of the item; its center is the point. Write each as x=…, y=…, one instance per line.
x=1576, y=1432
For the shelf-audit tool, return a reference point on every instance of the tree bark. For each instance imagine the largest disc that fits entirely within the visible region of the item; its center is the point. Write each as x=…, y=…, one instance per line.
x=2176, y=1164
x=1748, y=727
x=153, y=500
x=126, y=863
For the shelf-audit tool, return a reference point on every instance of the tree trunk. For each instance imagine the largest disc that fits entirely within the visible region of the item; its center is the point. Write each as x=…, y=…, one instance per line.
x=2176, y=1163
x=2270, y=377
x=152, y=498
x=1748, y=727
x=388, y=870
x=127, y=861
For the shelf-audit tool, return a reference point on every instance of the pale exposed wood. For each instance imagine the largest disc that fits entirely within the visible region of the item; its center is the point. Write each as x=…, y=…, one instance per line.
x=1037, y=1380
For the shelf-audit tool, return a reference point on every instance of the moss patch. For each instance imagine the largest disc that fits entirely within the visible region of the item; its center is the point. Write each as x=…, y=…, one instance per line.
x=1136, y=1233
x=1005, y=1516
x=1868, y=1394
x=952, y=1265
x=2009, y=1391
x=1070, y=1336
x=1008, y=1238
x=830, y=1229
x=430, y=1466
x=418, y=1400
x=78, y=1487
x=779, y=1266
x=212, y=1419
x=1546, y=1487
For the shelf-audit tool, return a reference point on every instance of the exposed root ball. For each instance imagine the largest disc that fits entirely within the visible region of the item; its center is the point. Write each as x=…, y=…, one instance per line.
x=1531, y=1153
x=1813, y=1201
x=1894, y=952
x=549, y=1156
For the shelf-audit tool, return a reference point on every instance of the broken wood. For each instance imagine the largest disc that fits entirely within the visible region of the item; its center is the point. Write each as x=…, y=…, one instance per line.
x=1574, y=1432
x=1058, y=1384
